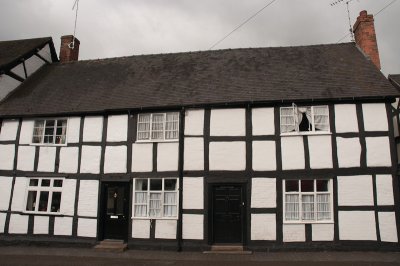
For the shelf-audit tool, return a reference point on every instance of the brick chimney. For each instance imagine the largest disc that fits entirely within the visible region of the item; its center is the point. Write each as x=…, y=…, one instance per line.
x=67, y=52
x=364, y=33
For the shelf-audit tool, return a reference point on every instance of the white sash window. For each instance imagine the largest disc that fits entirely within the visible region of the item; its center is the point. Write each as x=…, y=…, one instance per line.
x=295, y=119
x=44, y=195
x=50, y=131
x=158, y=127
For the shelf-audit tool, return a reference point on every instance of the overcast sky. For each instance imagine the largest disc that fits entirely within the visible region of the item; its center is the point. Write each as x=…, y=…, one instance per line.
x=130, y=27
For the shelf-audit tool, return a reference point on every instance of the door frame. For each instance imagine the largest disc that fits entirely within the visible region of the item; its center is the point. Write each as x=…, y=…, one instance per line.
x=210, y=200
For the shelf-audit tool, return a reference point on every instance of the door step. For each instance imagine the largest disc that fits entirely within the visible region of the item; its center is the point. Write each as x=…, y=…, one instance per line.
x=228, y=249
x=111, y=245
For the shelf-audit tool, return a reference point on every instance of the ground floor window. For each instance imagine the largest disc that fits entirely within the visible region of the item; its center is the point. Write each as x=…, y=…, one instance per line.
x=307, y=200
x=156, y=197
x=44, y=195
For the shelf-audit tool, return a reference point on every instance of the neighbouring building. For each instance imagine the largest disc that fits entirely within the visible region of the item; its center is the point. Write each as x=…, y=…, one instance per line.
x=268, y=148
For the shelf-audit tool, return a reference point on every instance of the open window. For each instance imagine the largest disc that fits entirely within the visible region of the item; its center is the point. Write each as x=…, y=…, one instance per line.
x=50, y=131
x=304, y=119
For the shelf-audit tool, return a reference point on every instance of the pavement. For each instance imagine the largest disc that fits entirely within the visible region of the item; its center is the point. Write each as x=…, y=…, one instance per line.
x=27, y=255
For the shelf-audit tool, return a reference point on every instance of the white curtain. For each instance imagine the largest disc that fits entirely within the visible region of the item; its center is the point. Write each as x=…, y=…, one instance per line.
x=38, y=131
x=140, y=204
x=321, y=118
x=155, y=204
x=169, y=204
x=323, y=207
x=291, y=207
x=144, y=126
x=287, y=119
x=157, y=126
x=307, y=207
x=171, y=126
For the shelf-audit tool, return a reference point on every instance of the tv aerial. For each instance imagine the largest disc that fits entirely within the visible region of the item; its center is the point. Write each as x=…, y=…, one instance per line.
x=76, y=7
x=347, y=2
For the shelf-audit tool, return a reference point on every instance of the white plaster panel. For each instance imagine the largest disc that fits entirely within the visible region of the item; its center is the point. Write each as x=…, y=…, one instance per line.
x=68, y=197
x=167, y=156
x=294, y=233
x=263, y=121
x=41, y=225
x=19, y=70
x=357, y=225
x=32, y=64
x=26, y=158
x=375, y=118
x=93, y=128
x=348, y=152
x=193, y=192
x=192, y=226
x=322, y=232
x=140, y=228
x=264, y=155
x=346, y=118
x=194, y=122
x=320, y=149
x=18, y=224
x=228, y=155
x=47, y=159
x=387, y=226
x=117, y=128
x=18, y=200
x=69, y=160
x=5, y=192
x=88, y=194
x=63, y=226
x=228, y=122
x=142, y=157
x=115, y=159
x=194, y=154
x=378, y=151
x=355, y=190
x=2, y=221
x=25, y=136
x=74, y=126
x=292, y=153
x=45, y=53
x=87, y=227
x=7, y=85
x=263, y=227
x=263, y=192
x=165, y=229
x=384, y=190
x=9, y=130
x=7, y=153
x=90, y=161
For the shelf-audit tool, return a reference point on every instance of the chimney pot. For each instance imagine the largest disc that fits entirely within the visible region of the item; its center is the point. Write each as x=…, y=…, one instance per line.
x=69, y=53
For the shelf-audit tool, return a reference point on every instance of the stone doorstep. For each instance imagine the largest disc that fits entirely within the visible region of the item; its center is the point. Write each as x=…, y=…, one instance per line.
x=228, y=249
x=111, y=245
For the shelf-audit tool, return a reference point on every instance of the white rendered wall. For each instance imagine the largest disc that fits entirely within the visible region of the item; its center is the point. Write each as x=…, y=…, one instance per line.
x=25, y=136
x=47, y=159
x=41, y=225
x=115, y=159
x=165, y=229
x=18, y=200
x=375, y=117
x=69, y=160
x=193, y=193
x=117, y=128
x=32, y=64
x=2, y=221
x=263, y=121
x=194, y=154
x=9, y=129
x=192, y=226
x=263, y=192
x=357, y=225
x=228, y=122
x=346, y=118
x=142, y=157
x=264, y=155
x=140, y=228
x=292, y=153
x=26, y=158
x=294, y=233
x=348, y=152
x=167, y=156
x=93, y=128
x=384, y=190
x=18, y=224
x=87, y=227
x=228, y=155
x=68, y=197
x=323, y=232
x=46, y=53
x=7, y=153
x=5, y=192
x=90, y=161
x=7, y=85
x=263, y=227
x=74, y=126
x=378, y=151
x=63, y=226
x=194, y=122
x=387, y=226
x=88, y=194
x=320, y=149
x=355, y=190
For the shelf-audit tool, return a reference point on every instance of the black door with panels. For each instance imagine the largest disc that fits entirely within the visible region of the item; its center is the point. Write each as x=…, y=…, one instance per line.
x=227, y=212
x=115, y=196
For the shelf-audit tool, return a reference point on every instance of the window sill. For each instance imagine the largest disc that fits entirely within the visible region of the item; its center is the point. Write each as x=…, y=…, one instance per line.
x=48, y=145
x=154, y=218
x=308, y=222
x=44, y=213
x=155, y=141
x=305, y=134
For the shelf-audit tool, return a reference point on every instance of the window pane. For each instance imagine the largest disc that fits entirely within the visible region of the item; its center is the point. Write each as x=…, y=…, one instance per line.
x=143, y=126
x=141, y=185
x=44, y=198
x=170, y=184
x=31, y=202
x=38, y=131
x=323, y=207
x=56, y=202
x=58, y=183
x=171, y=126
x=292, y=185
x=157, y=126
x=155, y=205
x=322, y=185
x=308, y=207
x=292, y=207
x=48, y=139
x=45, y=182
x=34, y=182
x=307, y=185
x=155, y=184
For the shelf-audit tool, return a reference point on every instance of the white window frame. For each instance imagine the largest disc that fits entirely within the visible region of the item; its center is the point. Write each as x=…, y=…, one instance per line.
x=294, y=107
x=39, y=188
x=150, y=128
x=42, y=143
x=162, y=191
x=314, y=193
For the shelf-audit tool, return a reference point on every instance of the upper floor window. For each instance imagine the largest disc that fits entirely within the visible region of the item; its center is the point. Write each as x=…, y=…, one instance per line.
x=304, y=119
x=44, y=195
x=158, y=126
x=50, y=131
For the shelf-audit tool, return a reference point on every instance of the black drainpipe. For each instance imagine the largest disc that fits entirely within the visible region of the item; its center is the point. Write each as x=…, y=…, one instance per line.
x=180, y=170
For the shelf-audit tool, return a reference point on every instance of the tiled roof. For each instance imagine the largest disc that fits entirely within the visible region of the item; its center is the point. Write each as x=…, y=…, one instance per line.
x=395, y=80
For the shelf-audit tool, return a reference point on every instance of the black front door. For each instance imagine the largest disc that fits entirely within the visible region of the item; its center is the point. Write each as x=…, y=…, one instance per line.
x=115, y=210
x=227, y=213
